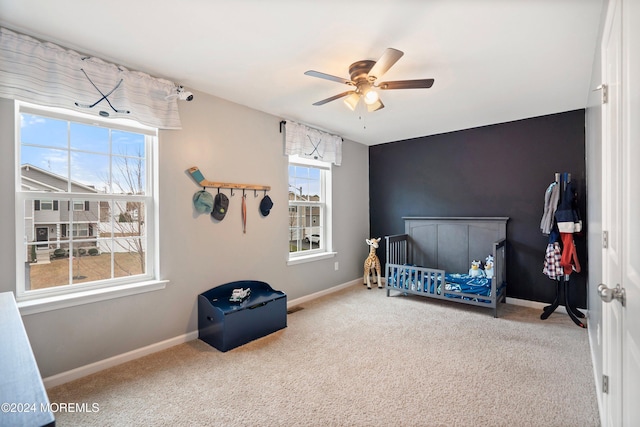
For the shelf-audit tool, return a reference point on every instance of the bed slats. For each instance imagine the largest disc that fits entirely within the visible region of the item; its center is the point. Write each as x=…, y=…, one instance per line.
x=397, y=246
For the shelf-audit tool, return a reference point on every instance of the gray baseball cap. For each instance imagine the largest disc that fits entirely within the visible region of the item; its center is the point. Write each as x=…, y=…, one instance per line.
x=220, y=206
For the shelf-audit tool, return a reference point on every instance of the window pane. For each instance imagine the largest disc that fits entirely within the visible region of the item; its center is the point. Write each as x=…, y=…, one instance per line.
x=44, y=159
x=39, y=130
x=313, y=237
x=295, y=230
x=89, y=138
x=43, y=275
x=129, y=257
x=304, y=183
x=128, y=144
x=129, y=176
x=315, y=216
x=122, y=219
x=91, y=170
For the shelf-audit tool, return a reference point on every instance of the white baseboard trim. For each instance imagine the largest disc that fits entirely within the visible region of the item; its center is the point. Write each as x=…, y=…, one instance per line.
x=92, y=368
x=322, y=293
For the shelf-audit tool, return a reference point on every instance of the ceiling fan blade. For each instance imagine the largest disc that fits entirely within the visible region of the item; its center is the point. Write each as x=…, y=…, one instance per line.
x=386, y=61
x=333, y=98
x=407, y=84
x=313, y=73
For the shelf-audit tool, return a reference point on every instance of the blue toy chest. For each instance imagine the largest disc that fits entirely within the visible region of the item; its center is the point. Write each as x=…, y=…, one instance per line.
x=225, y=325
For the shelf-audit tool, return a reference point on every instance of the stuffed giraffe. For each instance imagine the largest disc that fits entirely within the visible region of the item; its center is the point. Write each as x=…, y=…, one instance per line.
x=372, y=263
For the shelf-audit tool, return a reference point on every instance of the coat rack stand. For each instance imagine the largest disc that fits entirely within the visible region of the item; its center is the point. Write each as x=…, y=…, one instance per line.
x=562, y=286
x=562, y=294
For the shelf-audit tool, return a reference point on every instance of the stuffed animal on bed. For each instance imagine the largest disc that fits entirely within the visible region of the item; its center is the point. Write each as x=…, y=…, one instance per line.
x=488, y=266
x=475, y=270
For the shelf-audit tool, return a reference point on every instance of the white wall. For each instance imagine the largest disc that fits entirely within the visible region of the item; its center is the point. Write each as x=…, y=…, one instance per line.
x=229, y=143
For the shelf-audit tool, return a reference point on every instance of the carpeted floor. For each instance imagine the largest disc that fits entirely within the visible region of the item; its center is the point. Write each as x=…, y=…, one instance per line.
x=358, y=358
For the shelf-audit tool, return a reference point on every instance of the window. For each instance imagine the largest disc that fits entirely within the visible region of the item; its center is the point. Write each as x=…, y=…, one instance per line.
x=45, y=205
x=80, y=206
x=309, y=208
x=85, y=193
x=80, y=230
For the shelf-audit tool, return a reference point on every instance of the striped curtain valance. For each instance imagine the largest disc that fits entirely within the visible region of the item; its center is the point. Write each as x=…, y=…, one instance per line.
x=46, y=74
x=312, y=143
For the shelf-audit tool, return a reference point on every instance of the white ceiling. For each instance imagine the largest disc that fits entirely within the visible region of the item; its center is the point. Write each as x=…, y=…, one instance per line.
x=493, y=61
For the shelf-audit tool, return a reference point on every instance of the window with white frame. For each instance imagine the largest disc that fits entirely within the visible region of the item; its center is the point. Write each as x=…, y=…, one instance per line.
x=85, y=197
x=309, y=207
x=79, y=205
x=44, y=205
x=80, y=230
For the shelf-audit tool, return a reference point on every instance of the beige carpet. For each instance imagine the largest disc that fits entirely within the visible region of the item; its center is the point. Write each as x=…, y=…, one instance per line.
x=358, y=358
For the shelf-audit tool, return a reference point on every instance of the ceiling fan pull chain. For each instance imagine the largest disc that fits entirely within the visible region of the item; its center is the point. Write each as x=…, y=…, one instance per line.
x=362, y=113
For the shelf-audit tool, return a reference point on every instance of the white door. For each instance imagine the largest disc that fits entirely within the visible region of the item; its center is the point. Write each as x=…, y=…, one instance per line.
x=621, y=215
x=630, y=150
x=611, y=216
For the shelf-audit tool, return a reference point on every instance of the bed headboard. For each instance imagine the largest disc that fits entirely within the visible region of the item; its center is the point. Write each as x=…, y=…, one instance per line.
x=451, y=243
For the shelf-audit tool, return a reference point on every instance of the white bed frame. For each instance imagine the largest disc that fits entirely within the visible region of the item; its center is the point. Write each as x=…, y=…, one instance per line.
x=433, y=246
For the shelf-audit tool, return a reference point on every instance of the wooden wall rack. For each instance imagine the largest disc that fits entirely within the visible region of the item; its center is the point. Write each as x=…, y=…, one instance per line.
x=199, y=178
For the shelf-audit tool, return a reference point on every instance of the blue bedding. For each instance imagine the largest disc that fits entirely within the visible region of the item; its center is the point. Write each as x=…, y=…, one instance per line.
x=465, y=283
x=455, y=283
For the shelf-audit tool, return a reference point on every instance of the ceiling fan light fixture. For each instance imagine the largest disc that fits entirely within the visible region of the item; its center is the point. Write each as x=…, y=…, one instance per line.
x=375, y=106
x=371, y=97
x=352, y=101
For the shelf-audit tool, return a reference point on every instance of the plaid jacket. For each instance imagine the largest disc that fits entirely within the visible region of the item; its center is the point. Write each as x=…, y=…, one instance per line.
x=552, y=267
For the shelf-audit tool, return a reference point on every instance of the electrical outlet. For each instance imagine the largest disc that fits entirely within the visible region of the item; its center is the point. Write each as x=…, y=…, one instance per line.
x=336, y=266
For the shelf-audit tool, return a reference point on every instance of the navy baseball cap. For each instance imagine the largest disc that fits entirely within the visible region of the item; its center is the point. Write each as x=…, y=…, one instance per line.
x=265, y=205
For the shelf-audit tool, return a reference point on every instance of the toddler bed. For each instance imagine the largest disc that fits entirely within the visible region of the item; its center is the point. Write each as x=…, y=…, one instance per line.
x=433, y=257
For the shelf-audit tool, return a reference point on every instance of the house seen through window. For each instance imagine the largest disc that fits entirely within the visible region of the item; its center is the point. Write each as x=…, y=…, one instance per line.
x=309, y=201
x=85, y=191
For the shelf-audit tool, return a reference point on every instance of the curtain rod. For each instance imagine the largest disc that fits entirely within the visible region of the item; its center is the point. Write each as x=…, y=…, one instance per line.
x=284, y=122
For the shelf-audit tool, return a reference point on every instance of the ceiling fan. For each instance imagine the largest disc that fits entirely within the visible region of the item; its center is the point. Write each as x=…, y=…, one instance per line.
x=363, y=80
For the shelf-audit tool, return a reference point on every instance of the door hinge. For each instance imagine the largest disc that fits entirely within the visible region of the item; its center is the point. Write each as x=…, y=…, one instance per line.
x=605, y=92
x=605, y=383
x=605, y=239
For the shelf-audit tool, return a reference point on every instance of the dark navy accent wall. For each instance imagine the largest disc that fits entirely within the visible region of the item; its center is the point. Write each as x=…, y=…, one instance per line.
x=498, y=170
